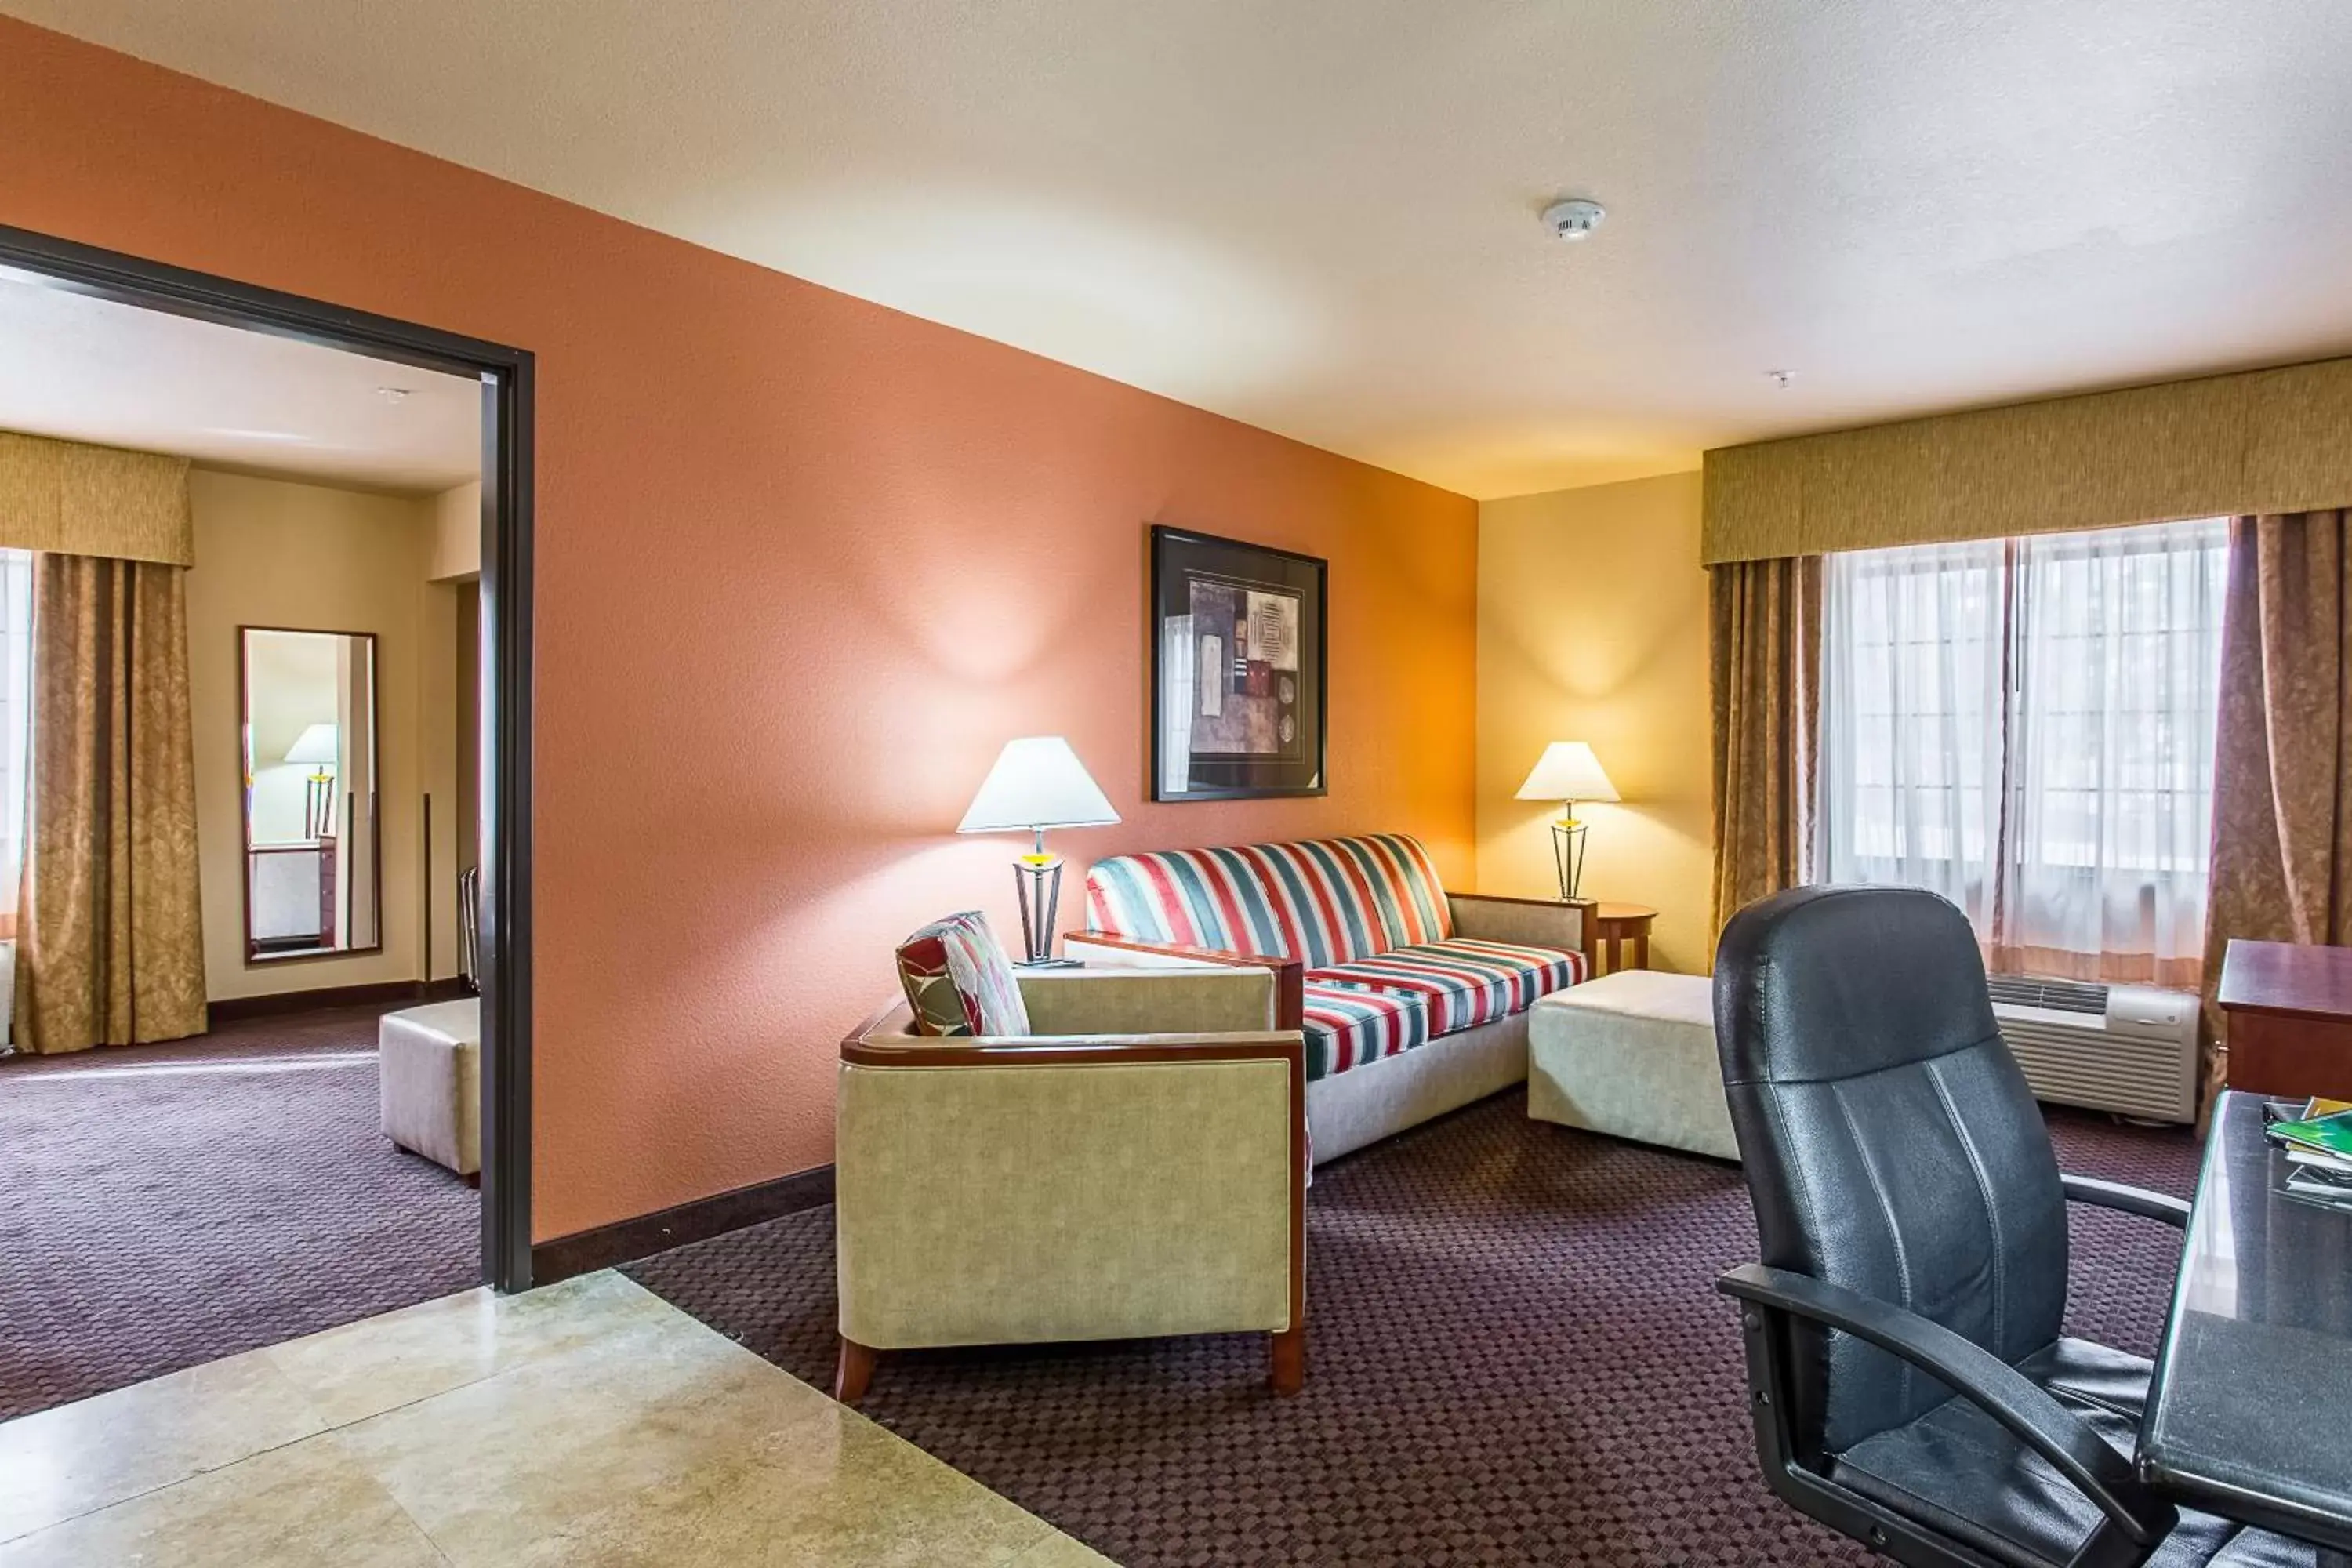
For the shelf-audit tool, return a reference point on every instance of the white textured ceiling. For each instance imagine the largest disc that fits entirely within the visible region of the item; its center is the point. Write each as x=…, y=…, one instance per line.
x=1318, y=215
x=89, y=370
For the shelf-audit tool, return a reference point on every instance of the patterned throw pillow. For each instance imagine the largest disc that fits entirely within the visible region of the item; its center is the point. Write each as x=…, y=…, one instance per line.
x=958, y=980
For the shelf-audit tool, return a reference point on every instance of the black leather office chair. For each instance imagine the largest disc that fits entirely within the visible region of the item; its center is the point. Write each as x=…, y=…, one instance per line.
x=1914, y=1228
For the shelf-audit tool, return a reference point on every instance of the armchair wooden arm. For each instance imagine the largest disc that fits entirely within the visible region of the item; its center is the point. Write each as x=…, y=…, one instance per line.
x=1289, y=974
x=884, y=1041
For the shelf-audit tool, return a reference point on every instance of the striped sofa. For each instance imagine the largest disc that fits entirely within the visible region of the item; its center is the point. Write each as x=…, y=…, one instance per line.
x=1412, y=1001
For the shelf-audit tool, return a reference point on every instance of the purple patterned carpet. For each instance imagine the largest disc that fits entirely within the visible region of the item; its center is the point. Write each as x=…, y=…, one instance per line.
x=1516, y=1356
x=164, y=1205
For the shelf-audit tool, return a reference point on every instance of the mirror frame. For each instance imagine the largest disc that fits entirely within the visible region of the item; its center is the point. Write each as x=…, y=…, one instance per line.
x=245, y=800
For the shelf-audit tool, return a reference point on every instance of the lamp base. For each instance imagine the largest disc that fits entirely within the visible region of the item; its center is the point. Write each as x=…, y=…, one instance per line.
x=318, y=806
x=1048, y=964
x=1568, y=857
x=1038, y=880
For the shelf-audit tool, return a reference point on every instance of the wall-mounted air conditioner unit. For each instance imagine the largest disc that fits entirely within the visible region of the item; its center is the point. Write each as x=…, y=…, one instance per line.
x=2131, y=1049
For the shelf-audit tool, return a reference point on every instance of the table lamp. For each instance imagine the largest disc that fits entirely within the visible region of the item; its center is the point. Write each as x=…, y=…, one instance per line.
x=1568, y=772
x=1037, y=782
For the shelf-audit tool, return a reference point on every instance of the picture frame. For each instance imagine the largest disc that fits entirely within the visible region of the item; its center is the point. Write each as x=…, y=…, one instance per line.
x=1239, y=683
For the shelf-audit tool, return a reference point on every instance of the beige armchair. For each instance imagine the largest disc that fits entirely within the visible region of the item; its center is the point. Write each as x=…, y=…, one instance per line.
x=1136, y=1167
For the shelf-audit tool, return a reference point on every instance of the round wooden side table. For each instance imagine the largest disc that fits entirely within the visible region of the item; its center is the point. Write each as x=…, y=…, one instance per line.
x=1614, y=925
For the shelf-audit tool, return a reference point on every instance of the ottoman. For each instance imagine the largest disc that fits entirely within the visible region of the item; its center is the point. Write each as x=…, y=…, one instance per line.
x=1632, y=1055
x=429, y=1071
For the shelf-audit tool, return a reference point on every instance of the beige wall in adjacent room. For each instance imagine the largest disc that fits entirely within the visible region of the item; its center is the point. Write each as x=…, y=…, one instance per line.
x=465, y=835
x=457, y=549
x=313, y=557
x=1592, y=626
x=456, y=563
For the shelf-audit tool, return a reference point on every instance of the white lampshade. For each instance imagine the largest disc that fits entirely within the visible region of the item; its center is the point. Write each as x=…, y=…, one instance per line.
x=1567, y=771
x=314, y=744
x=1037, y=782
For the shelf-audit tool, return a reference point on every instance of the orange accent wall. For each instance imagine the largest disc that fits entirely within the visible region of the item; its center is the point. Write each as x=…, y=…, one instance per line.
x=804, y=563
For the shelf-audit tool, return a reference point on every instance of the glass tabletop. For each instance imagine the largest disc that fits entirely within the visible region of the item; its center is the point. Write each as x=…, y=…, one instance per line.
x=2254, y=1380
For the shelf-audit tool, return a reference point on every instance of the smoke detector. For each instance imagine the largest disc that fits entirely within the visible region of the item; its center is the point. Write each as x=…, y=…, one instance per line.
x=1574, y=218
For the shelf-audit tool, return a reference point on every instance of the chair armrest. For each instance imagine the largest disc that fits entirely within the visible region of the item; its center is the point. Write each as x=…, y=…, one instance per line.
x=1142, y=1000
x=1289, y=974
x=1976, y=1375
x=886, y=1040
x=2161, y=1206
x=1529, y=922
x=1073, y=1050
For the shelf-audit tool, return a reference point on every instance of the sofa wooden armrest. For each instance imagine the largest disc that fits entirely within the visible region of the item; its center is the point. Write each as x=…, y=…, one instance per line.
x=1289, y=974
x=1559, y=924
x=1078, y=1185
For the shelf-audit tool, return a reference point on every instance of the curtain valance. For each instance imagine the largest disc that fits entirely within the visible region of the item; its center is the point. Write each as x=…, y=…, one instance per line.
x=2261, y=441
x=66, y=497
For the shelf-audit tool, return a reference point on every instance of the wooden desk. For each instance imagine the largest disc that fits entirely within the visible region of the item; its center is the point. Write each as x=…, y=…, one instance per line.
x=1615, y=925
x=2289, y=1011
x=2255, y=1366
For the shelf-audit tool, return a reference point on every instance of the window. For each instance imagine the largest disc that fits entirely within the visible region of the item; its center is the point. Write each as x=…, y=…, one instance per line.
x=2026, y=726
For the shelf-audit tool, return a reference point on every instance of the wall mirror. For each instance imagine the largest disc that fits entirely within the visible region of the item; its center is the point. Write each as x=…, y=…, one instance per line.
x=311, y=854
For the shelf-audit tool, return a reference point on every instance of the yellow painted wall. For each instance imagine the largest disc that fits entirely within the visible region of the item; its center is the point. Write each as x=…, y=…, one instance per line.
x=316, y=558
x=1592, y=626
x=457, y=549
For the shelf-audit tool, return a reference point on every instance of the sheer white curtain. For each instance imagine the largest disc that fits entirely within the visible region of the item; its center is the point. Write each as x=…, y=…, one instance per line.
x=15, y=723
x=2026, y=726
x=1911, y=703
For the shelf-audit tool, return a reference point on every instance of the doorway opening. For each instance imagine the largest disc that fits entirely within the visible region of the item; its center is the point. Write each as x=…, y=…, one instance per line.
x=338, y=852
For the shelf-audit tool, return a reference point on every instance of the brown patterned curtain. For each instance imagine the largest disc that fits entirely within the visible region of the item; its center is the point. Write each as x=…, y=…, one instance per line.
x=1765, y=653
x=109, y=948
x=2283, y=758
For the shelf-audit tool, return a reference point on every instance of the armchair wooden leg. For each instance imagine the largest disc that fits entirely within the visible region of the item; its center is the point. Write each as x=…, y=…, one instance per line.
x=1289, y=1356
x=853, y=1372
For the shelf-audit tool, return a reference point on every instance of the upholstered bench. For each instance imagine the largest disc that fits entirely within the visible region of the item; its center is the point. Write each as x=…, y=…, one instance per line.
x=429, y=1071
x=1633, y=1055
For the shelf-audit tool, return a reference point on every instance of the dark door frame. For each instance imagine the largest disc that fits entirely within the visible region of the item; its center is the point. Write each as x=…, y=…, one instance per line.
x=505, y=847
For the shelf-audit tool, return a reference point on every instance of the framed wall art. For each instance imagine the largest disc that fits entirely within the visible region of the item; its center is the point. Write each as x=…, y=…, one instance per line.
x=1237, y=678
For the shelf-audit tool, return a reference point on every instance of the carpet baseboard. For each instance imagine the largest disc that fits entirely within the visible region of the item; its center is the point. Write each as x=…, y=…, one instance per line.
x=627, y=1240
x=230, y=1009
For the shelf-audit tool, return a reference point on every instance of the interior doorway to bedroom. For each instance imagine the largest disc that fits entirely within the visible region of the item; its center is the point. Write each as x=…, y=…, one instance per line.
x=263, y=617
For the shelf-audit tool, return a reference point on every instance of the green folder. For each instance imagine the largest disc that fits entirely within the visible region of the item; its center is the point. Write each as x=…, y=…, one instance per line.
x=2329, y=1135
